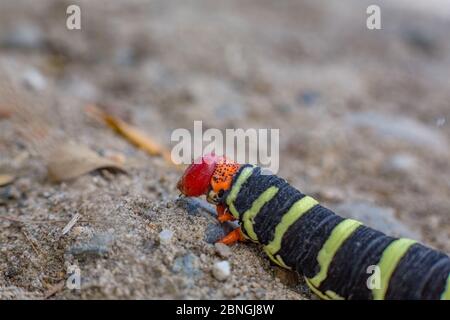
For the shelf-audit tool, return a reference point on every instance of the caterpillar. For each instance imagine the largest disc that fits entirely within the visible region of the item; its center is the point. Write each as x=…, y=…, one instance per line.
x=333, y=254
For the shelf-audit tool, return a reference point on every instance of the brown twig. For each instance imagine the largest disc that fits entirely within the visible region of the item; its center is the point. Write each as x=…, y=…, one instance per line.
x=132, y=134
x=35, y=247
x=13, y=219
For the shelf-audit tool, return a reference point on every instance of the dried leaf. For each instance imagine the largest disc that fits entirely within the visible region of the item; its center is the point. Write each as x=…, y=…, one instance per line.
x=5, y=112
x=132, y=134
x=6, y=179
x=72, y=160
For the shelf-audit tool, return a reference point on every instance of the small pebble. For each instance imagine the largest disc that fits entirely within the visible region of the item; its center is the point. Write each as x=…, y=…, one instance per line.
x=98, y=246
x=215, y=232
x=308, y=98
x=400, y=164
x=125, y=56
x=9, y=193
x=165, y=236
x=441, y=121
x=34, y=80
x=221, y=270
x=222, y=250
x=421, y=41
x=187, y=264
x=24, y=36
x=230, y=111
x=82, y=89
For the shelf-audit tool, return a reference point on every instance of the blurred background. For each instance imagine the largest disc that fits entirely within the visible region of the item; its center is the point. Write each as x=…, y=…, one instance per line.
x=364, y=119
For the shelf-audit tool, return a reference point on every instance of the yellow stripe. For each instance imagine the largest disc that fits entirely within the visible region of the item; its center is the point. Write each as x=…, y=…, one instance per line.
x=243, y=176
x=337, y=237
x=333, y=295
x=325, y=296
x=281, y=262
x=298, y=209
x=249, y=215
x=316, y=291
x=389, y=260
x=446, y=294
x=278, y=260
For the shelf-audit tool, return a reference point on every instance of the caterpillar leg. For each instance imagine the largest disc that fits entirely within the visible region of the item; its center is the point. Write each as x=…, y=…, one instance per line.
x=233, y=237
x=223, y=214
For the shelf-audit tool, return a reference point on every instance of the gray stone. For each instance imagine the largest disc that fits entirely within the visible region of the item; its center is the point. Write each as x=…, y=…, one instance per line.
x=308, y=98
x=81, y=88
x=441, y=121
x=187, y=264
x=98, y=246
x=230, y=111
x=222, y=250
x=125, y=56
x=9, y=193
x=401, y=128
x=400, y=164
x=24, y=36
x=190, y=205
x=380, y=218
x=422, y=41
x=215, y=232
x=34, y=80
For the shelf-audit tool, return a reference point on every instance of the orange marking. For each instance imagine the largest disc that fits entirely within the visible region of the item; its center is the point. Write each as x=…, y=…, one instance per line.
x=223, y=214
x=226, y=216
x=223, y=175
x=233, y=237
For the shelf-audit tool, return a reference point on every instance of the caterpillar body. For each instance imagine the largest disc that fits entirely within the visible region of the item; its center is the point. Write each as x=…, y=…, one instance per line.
x=333, y=254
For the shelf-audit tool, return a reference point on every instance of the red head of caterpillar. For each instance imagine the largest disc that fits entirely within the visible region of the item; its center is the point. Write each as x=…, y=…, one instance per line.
x=211, y=175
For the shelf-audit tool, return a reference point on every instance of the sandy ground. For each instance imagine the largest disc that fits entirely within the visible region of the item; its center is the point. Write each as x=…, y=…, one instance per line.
x=363, y=118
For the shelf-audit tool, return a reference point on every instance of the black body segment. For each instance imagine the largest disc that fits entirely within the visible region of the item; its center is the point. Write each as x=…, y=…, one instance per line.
x=415, y=265
x=348, y=270
x=305, y=238
x=271, y=213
